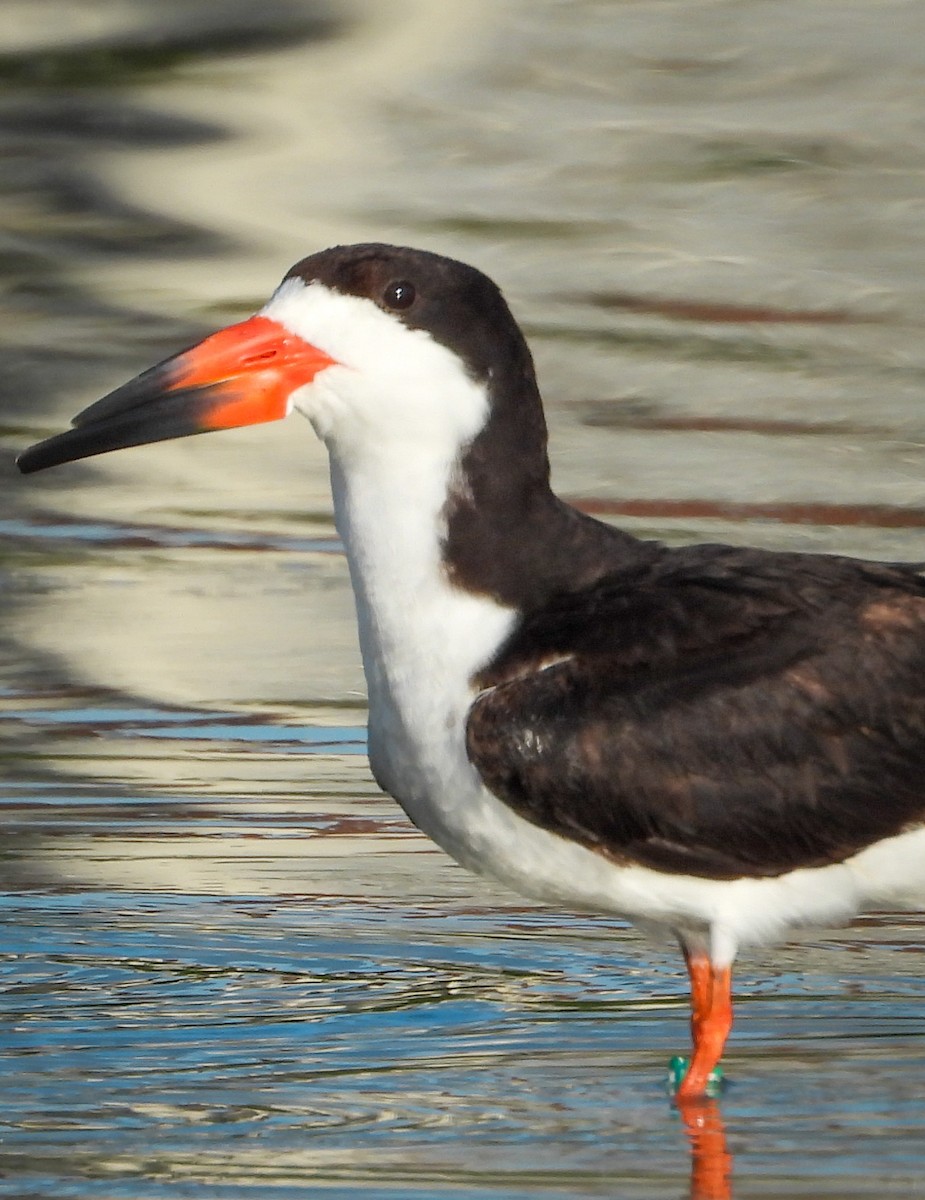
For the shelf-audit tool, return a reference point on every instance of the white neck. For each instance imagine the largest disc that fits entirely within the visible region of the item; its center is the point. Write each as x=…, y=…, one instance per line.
x=396, y=412
x=421, y=638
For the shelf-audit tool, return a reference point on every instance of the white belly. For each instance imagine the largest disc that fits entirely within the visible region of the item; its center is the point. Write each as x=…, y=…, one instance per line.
x=448, y=802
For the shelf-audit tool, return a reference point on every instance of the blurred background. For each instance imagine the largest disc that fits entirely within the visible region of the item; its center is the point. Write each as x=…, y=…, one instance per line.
x=708, y=215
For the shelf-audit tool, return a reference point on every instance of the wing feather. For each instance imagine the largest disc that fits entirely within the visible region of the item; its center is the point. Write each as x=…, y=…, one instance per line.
x=724, y=713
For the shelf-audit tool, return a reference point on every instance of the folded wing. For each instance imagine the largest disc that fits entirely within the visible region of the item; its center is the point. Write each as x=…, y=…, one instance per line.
x=723, y=713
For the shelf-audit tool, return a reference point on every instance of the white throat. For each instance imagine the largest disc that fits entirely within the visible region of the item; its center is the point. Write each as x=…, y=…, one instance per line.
x=422, y=639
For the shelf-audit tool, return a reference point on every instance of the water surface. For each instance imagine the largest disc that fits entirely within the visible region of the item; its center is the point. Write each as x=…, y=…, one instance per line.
x=229, y=965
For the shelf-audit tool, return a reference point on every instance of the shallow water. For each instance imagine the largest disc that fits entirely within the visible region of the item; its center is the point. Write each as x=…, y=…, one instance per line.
x=229, y=965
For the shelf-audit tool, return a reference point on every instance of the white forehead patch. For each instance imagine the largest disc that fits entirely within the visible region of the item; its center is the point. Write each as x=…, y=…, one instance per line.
x=353, y=329
x=385, y=369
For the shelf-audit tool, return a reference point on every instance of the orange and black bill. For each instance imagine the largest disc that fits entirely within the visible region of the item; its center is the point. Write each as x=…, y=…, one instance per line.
x=241, y=375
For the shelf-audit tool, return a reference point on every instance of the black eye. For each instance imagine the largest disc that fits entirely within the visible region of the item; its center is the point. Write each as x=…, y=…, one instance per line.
x=399, y=295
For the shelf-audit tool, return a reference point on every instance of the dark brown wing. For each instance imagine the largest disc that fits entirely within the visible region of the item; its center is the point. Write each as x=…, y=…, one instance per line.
x=724, y=713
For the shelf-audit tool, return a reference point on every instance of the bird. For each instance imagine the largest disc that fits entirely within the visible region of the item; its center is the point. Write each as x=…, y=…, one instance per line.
x=724, y=743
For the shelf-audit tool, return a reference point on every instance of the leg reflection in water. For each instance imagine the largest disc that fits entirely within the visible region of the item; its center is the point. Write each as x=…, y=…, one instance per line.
x=711, y=1162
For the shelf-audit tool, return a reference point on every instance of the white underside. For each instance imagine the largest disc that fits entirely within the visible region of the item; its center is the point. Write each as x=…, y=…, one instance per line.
x=394, y=438
x=721, y=915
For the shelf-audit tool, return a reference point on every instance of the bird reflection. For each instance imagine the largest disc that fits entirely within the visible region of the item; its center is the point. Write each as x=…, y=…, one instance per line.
x=711, y=1161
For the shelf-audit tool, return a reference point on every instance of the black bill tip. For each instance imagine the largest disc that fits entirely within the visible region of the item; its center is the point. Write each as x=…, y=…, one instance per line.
x=104, y=427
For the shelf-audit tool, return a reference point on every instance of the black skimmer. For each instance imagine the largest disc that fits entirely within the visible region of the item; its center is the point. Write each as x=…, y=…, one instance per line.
x=723, y=742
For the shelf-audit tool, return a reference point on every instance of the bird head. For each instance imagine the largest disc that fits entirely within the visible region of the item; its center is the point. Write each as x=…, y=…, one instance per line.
x=375, y=344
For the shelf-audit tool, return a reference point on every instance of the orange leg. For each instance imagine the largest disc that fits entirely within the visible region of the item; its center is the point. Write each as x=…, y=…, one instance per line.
x=711, y=1021
x=700, y=972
